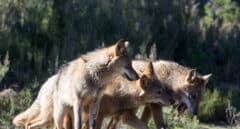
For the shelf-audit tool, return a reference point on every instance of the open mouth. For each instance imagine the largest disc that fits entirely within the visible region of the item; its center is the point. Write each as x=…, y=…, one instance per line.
x=182, y=108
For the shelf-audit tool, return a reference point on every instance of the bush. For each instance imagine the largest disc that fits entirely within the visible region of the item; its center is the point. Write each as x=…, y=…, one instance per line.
x=212, y=107
x=234, y=96
x=173, y=120
x=11, y=106
x=232, y=116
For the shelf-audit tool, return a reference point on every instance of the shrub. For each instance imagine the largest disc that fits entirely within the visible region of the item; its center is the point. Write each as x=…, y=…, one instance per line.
x=234, y=96
x=212, y=107
x=175, y=121
x=232, y=116
x=11, y=106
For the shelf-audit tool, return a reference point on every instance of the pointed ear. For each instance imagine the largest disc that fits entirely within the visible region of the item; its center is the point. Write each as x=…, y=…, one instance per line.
x=192, y=74
x=149, y=69
x=206, y=78
x=144, y=81
x=120, y=48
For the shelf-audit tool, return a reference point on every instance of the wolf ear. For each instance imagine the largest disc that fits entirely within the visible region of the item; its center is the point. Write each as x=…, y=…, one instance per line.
x=192, y=74
x=144, y=81
x=206, y=78
x=149, y=69
x=120, y=48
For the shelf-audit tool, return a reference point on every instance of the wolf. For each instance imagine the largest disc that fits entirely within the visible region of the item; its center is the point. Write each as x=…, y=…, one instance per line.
x=186, y=86
x=119, y=96
x=122, y=95
x=184, y=82
x=40, y=113
x=85, y=78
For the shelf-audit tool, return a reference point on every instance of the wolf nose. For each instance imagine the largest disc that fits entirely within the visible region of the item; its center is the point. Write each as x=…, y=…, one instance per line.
x=135, y=76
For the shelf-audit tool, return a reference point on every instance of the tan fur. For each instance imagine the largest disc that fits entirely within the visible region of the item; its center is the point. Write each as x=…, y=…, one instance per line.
x=82, y=79
x=86, y=77
x=122, y=96
x=169, y=77
x=40, y=114
x=186, y=85
x=41, y=104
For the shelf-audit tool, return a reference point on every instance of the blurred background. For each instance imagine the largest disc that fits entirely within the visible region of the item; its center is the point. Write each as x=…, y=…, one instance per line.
x=38, y=36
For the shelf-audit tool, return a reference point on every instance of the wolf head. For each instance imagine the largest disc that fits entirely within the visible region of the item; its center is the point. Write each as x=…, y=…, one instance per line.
x=120, y=62
x=153, y=90
x=193, y=89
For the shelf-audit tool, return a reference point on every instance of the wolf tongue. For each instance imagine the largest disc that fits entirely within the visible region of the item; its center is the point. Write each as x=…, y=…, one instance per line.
x=179, y=108
x=182, y=109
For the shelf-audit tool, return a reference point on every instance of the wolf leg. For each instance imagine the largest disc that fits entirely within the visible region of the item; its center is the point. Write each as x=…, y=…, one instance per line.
x=29, y=121
x=94, y=107
x=68, y=121
x=77, y=111
x=40, y=123
x=85, y=117
x=58, y=115
x=156, y=111
x=131, y=119
x=99, y=120
x=113, y=123
x=146, y=114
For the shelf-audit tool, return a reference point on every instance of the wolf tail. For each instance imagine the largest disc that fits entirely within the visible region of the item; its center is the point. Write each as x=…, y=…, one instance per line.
x=22, y=118
x=46, y=91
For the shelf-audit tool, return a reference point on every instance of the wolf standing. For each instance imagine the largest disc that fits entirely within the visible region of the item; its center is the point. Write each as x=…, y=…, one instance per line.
x=119, y=95
x=86, y=77
x=186, y=85
x=123, y=95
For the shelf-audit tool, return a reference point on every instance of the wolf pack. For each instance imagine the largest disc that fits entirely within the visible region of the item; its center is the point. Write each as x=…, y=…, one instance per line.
x=108, y=83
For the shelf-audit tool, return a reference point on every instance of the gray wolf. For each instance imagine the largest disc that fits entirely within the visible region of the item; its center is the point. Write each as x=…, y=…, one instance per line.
x=85, y=78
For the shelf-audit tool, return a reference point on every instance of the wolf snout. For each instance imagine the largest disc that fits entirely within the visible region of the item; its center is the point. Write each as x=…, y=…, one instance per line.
x=132, y=75
x=135, y=76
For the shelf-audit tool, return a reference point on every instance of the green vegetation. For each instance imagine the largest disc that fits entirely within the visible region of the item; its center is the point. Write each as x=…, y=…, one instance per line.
x=39, y=36
x=10, y=106
x=175, y=121
x=213, y=106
